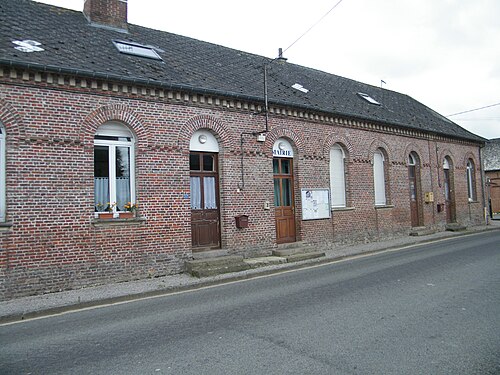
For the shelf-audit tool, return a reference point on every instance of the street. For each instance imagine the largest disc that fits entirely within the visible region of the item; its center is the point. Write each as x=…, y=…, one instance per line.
x=428, y=309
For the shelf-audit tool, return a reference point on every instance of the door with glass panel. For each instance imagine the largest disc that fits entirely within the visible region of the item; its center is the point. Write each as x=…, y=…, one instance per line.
x=283, y=200
x=449, y=194
x=205, y=218
x=414, y=180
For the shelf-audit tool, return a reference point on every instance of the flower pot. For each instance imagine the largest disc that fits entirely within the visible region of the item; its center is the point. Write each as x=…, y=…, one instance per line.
x=126, y=215
x=105, y=215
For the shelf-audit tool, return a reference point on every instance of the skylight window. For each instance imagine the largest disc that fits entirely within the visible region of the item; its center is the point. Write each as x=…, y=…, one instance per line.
x=298, y=86
x=28, y=45
x=137, y=50
x=368, y=98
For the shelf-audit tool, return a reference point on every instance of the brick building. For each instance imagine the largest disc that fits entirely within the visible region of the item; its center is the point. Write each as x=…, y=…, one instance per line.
x=98, y=115
x=491, y=157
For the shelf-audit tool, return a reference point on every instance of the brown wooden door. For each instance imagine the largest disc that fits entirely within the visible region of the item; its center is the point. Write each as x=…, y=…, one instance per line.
x=413, y=196
x=448, y=196
x=205, y=217
x=283, y=200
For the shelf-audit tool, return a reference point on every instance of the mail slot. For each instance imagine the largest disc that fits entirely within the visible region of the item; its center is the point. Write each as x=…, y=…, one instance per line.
x=241, y=221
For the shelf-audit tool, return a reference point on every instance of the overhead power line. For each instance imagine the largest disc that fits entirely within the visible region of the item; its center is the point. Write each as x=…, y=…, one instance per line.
x=309, y=29
x=472, y=110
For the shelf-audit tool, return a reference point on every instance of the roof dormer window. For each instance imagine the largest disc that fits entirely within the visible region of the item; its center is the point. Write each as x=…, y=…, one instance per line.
x=137, y=50
x=368, y=98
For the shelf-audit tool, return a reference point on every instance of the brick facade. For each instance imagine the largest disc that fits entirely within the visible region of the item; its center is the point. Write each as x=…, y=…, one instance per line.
x=51, y=240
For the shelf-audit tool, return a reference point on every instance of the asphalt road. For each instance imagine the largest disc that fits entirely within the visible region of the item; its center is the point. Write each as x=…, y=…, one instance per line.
x=431, y=309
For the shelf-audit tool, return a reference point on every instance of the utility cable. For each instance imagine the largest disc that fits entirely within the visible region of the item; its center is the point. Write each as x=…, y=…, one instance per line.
x=309, y=29
x=472, y=110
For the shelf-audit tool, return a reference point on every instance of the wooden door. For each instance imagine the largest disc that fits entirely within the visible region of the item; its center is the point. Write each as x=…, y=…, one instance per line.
x=205, y=217
x=415, y=197
x=284, y=200
x=449, y=197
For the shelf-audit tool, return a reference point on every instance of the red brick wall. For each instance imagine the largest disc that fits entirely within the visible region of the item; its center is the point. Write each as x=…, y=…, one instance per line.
x=54, y=242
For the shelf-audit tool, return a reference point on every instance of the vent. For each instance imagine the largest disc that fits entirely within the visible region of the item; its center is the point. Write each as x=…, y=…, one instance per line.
x=368, y=98
x=137, y=50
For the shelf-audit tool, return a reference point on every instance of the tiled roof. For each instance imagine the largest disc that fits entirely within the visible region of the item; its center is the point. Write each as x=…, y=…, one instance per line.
x=71, y=44
x=491, y=155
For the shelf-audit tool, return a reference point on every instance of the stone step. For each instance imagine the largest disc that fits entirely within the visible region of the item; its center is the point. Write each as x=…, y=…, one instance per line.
x=264, y=261
x=304, y=256
x=421, y=231
x=216, y=266
x=455, y=227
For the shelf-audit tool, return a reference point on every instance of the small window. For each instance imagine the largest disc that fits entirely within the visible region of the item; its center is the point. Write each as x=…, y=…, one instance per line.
x=471, y=181
x=2, y=173
x=337, y=176
x=114, y=168
x=368, y=98
x=137, y=50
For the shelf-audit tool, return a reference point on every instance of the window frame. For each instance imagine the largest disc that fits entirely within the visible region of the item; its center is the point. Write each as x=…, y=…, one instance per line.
x=471, y=180
x=335, y=183
x=2, y=173
x=379, y=178
x=117, y=131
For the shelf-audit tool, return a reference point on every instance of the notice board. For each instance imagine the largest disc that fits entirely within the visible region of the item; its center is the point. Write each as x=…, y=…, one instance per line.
x=315, y=204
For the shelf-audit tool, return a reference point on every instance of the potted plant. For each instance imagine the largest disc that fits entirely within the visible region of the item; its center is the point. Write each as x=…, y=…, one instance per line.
x=107, y=213
x=130, y=209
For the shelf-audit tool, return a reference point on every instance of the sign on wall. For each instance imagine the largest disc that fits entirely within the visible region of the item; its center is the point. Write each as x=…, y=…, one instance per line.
x=315, y=204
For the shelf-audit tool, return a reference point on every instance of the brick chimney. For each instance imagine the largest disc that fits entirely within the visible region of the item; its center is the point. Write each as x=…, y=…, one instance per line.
x=109, y=13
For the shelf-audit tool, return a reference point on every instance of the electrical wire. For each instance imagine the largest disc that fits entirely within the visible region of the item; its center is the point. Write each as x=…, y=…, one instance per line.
x=309, y=29
x=472, y=110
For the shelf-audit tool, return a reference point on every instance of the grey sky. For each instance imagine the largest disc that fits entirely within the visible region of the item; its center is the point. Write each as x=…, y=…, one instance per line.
x=443, y=53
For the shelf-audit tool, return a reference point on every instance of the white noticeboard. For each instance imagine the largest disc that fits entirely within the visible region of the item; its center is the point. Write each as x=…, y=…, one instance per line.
x=315, y=204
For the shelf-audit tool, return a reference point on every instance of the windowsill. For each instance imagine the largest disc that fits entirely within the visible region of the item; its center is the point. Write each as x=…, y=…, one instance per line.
x=339, y=209
x=5, y=226
x=118, y=221
x=474, y=201
x=384, y=206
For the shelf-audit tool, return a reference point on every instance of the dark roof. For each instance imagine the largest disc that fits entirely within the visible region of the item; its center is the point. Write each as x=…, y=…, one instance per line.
x=491, y=155
x=72, y=45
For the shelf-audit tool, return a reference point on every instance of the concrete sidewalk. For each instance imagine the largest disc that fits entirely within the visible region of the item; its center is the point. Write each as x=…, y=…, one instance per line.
x=35, y=306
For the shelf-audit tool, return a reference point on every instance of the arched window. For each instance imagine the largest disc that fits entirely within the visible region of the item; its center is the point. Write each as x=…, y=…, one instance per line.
x=2, y=173
x=114, y=167
x=379, y=178
x=471, y=181
x=337, y=176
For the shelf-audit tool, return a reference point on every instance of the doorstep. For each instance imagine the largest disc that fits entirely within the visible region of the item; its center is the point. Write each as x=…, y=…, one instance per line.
x=236, y=263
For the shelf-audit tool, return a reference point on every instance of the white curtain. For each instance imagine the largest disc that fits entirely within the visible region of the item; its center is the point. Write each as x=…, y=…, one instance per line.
x=209, y=192
x=337, y=177
x=379, y=179
x=122, y=192
x=195, y=193
x=101, y=193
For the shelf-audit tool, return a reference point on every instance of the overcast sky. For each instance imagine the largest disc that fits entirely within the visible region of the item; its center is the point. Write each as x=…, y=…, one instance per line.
x=443, y=53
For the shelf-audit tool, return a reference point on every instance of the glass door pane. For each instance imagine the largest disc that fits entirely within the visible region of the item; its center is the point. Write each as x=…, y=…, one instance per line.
x=277, y=192
x=122, y=177
x=195, y=193
x=101, y=177
x=209, y=199
x=287, y=192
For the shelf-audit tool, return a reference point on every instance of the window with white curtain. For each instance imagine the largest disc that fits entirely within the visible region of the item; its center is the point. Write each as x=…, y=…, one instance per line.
x=379, y=178
x=471, y=181
x=2, y=173
x=114, y=165
x=337, y=176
